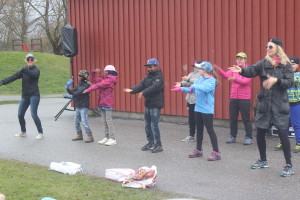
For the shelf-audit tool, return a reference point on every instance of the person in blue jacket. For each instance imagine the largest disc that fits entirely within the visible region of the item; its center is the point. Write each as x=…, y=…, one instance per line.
x=204, y=89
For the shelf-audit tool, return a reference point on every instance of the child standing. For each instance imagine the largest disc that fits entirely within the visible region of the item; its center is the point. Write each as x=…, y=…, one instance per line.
x=294, y=99
x=204, y=89
x=106, y=102
x=188, y=81
x=81, y=104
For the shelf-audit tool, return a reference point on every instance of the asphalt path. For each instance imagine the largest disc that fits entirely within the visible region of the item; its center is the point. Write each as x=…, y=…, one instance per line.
x=227, y=179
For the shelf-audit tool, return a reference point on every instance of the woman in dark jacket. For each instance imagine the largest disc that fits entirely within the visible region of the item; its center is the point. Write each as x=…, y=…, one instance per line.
x=276, y=75
x=30, y=94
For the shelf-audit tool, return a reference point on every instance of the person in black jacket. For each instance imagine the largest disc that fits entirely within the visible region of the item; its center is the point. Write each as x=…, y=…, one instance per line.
x=81, y=104
x=152, y=88
x=276, y=76
x=30, y=94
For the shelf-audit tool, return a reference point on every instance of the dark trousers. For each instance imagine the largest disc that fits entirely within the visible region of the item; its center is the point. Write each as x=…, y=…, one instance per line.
x=243, y=106
x=33, y=101
x=261, y=143
x=207, y=121
x=192, y=123
x=152, y=117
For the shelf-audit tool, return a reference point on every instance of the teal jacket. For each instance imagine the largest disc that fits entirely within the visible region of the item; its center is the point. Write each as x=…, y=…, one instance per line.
x=204, y=89
x=294, y=91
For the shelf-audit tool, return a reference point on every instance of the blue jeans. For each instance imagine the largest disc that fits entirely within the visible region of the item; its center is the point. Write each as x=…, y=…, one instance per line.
x=33, y=101
x=295, y=118
x=81, y=116
x=152, y=117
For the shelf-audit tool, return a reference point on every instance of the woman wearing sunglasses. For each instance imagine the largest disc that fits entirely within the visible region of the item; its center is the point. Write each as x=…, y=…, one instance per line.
x=30, y=94
x=276, y=75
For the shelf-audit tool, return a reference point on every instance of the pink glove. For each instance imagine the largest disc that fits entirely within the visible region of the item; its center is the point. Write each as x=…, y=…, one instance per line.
x=176, y=88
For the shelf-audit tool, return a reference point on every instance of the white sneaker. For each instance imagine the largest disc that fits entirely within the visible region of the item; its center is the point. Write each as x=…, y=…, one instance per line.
x=111, y=142
x=103, y=141
x=188, y=139
x=39, y=136
x=21, y=134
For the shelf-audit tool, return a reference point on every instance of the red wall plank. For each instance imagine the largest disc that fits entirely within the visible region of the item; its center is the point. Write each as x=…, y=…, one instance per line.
x=126, y=33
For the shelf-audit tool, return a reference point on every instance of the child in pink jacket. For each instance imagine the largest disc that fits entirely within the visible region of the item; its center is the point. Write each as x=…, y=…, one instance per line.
x=106, y=102
x=240, y=96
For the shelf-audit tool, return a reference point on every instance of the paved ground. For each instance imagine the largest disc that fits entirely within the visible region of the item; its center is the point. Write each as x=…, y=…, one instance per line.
x=231, y=178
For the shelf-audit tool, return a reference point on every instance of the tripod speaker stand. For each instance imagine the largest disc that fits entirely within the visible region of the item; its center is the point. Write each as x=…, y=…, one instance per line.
x=70, y=49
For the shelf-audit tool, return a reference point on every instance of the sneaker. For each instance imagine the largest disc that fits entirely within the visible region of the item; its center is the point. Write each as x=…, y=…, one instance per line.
x=39, y=136
x=148, y=146
x=287, y=171
x=188, y=139
x=214, y=156
x=247, y=141
x=260, y=164
x=111, y=142
x=297, y=148
x=103, y=141
x=195, y=153
x=231, y=140
x=157, y=148
x=22, y=134
x=278, y=147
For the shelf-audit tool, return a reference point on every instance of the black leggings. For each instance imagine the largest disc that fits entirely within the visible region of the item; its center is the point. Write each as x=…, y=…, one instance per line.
x=192, y=123
x=207, y=121
x=261, y=143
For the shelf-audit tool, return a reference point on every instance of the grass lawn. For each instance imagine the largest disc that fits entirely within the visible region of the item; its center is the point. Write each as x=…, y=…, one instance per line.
x=55, y=71
x=23, y=181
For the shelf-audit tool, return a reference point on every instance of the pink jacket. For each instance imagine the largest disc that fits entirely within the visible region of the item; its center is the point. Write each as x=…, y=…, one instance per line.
x=240, y=87
x=106, y=85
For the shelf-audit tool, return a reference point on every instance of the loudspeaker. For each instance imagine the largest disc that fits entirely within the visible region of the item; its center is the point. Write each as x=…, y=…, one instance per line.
x=69, y=41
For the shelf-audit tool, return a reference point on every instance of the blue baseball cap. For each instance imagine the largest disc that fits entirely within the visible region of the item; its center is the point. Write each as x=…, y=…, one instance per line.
x=207, y=66
x=152, y=61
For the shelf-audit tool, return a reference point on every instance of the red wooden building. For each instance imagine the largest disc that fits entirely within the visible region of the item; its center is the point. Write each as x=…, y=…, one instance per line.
x=125, y=33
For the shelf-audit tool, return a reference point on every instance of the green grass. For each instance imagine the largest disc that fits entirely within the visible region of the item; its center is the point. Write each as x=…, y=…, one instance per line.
x=55, y=71
x=23, y=181
x=9, y=102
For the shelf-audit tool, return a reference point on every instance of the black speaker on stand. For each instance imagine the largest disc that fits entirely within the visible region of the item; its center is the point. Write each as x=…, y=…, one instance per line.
x=70, y=49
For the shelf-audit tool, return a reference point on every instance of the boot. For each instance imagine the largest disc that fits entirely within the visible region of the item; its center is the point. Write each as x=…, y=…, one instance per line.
x=79, y=137
x=90, y=138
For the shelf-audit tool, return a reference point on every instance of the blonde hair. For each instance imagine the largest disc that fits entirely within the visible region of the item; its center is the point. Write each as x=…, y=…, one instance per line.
x=284, y=59
x=216, y=76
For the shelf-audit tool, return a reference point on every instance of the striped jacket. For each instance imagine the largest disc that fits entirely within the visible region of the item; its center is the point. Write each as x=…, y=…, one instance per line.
x=294, y=91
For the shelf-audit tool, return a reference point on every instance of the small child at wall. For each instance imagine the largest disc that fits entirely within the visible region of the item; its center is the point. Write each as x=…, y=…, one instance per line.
x=81, y=104
x=106, y=85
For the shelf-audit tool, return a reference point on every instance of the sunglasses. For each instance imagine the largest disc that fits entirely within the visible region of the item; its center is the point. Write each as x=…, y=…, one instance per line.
x=30, y=59
x=269, y=46
x=79, y=75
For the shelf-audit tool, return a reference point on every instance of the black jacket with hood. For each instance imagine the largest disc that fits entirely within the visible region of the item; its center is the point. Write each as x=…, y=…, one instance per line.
x=30, y=79
x=80, y=100
x=273, y=104
x=152, y=87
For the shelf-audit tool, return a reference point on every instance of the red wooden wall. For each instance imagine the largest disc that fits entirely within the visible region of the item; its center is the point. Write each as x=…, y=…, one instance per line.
x=125, y=33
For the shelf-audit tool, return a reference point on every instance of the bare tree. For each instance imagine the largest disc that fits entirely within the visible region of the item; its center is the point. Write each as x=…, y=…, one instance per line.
x=17, y=18
x=53, y=16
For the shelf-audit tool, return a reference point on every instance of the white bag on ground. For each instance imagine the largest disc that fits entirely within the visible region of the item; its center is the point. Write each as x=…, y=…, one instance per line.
x=118, y=174
x=143, y=177
x=66, y=167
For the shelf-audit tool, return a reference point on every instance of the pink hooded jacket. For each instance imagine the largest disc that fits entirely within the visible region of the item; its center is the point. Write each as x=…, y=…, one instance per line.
x=106, y=85
x=240, y=87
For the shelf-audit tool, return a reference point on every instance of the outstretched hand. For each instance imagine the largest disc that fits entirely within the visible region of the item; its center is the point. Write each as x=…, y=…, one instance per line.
x=127, y=90
x=70, y=81
x=175, y=89
x=235, y=68
x=68, y=96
